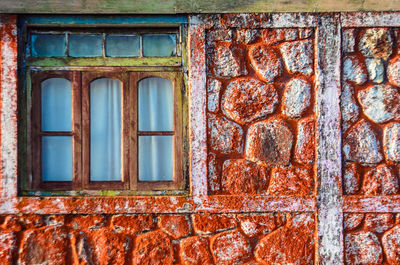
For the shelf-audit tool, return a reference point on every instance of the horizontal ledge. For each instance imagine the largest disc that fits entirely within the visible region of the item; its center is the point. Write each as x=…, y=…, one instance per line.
x=377, y=204
x=155, y=133
x=49, y=133
x=134, y=61
x=155, y=204
x=370, y=19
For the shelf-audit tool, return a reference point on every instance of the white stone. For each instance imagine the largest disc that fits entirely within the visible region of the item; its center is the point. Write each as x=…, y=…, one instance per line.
x=298, y=56
x=297, y=97
x=213, y=91
x=380, y=103
x=391, y=140
x=376, y=70
x=393, y=71
x=354, y=70
x=376, y=43
x=348, y=40
x=391, y=245
x=362, y=248
x=361, y=144
x=349, y=107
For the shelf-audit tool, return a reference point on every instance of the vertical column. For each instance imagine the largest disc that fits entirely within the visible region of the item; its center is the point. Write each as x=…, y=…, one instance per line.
x=197, y=108
x=8, y=85
x=330, y=217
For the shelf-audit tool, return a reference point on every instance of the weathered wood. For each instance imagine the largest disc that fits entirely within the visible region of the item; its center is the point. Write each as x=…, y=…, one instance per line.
x=190, y=6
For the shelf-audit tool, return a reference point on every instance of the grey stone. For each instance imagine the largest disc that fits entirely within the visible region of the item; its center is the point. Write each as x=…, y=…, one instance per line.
x=219, y=35
x=348, y=40
x=362, y=248
x=349, y=107
x=380, y=181
x=226, y=137
x=247, y=35
x=296, y=98
x=291, y=34
x=391, y=140
x=354, y=70
x=393, y=71
x=266, y=62
x=361, y=144
x=391, y=245
x=247, y=99
x=351, y=179
x=213, y=91
x=298, y=56
x=376, y=43
x=269, y=143
x=376, y=70
x=226, y=64
x=380, y=103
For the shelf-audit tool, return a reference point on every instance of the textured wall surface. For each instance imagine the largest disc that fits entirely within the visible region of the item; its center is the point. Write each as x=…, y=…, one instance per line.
x=294, y=154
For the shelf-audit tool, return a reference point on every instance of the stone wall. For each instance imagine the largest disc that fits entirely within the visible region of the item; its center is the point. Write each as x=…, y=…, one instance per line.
x=294, y=154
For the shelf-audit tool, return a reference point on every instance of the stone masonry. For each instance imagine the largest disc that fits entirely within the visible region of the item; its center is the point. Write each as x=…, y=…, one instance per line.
x=294, y=135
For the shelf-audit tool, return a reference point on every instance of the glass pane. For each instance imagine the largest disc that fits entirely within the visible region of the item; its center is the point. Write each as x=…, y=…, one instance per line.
x=85, y=45
x=122, y=45
x=44, y=45
x=159, y=45
x=155, y=158
x=56, y=105
x=155, y=104
x=57, y=158
x=105, y=130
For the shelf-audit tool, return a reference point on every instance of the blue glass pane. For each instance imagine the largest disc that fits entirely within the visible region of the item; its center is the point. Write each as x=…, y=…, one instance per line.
x=159, y=45
x=56, y=105
x=57, y=158
x=105, y=130
x=122, y=45
x=155, y=158
x=85, y=45
x=48, y=45
x=155, y=104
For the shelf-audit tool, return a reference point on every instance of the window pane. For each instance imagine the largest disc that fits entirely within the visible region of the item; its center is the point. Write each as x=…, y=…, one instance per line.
x=122, y=45
x=155, y=158
x=48, y=45
x=85, y=45
x=56, y=105
x=155, y=104
x=57, y=158
x=105, y=130
x=159, y=45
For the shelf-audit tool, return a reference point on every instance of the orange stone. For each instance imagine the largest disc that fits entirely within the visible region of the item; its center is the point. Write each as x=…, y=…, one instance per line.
x=176, y=226
x=195, y=251
x=210, y=223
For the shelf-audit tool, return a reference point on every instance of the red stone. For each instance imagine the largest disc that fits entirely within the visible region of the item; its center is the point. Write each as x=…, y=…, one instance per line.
x=352, y=220
x=153, y=248
x=133, y=223
x=380, y=181
x=230, y=247
x=266, y=61
x=44, y=246
x=257, y=224
x=305, y=145
x=109, y=247
x=286, y=246
x=291, y=181
x=241, y=176
x=269, y=143
x=87, y=222
x=204, y=224
x=31, y=221
x=195, y=251
x=8, y=244
x=248, y=99
x=391, y=245
x=11, y=223
x=176, y=226
x=82, y=250
x=379, y=223
x=225, y=136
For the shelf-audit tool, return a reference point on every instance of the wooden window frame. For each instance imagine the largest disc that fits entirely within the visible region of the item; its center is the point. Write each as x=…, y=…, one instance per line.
x=80, y=81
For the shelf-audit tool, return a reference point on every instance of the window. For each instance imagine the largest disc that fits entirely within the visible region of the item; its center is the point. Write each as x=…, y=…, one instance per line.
x=104, y=110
